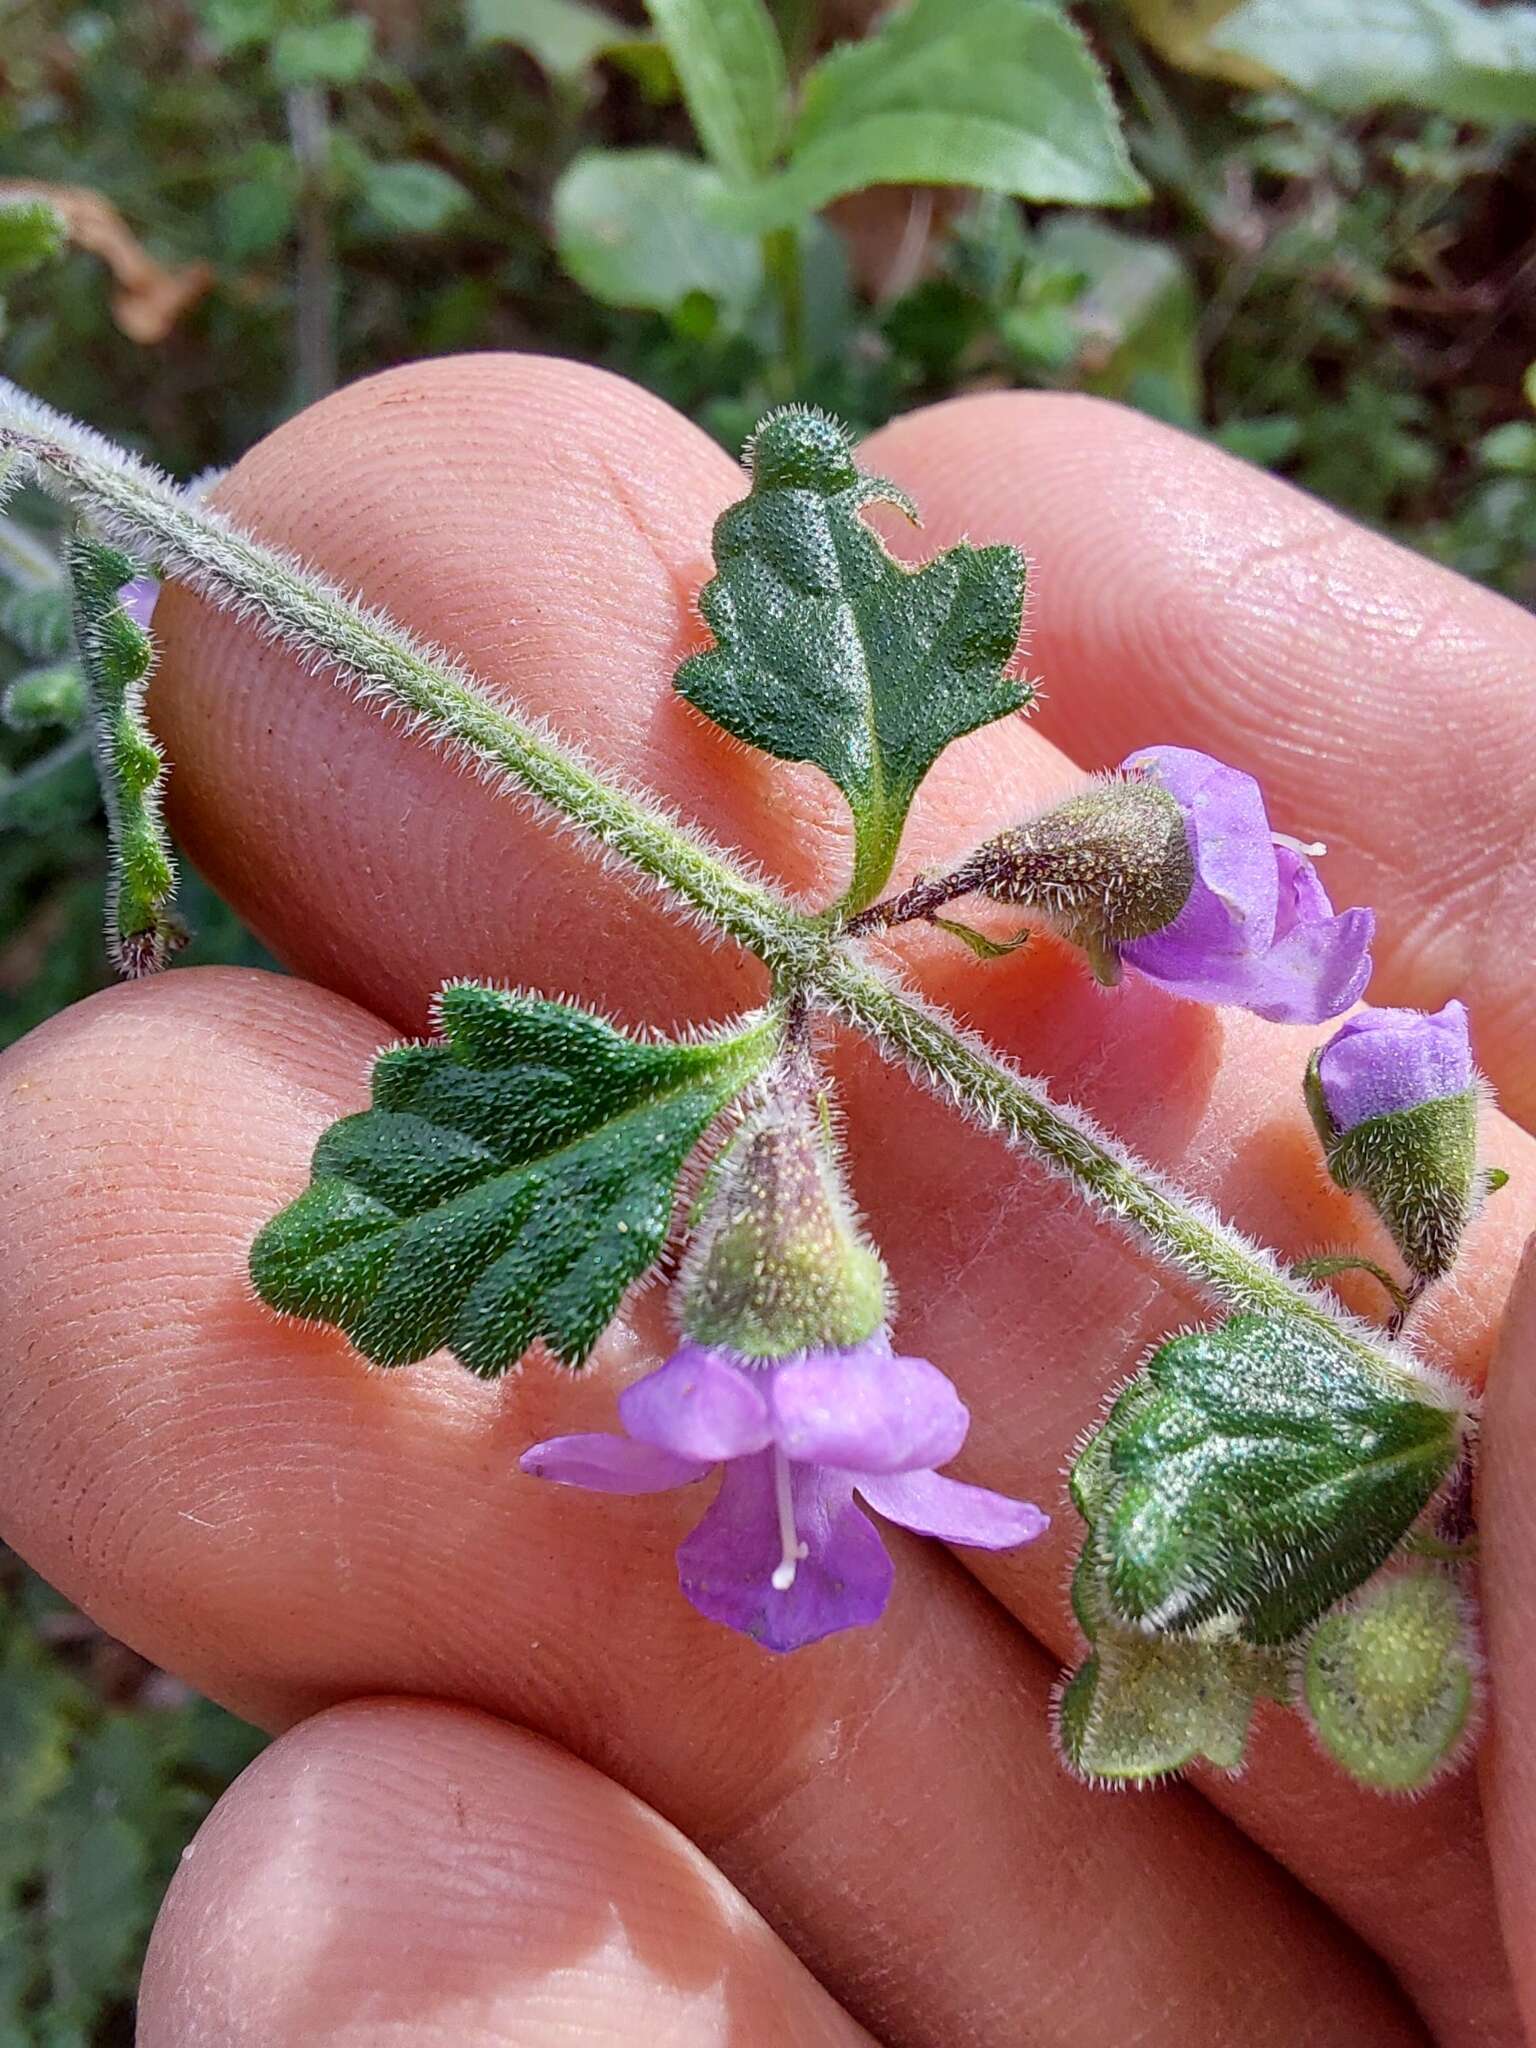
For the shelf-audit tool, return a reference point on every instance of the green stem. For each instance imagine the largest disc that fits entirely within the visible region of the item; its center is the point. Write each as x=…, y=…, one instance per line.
x=1223, y=1263
x=781, y=261
x=388, y=670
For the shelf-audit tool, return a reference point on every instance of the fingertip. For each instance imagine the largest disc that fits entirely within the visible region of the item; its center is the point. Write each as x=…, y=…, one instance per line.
x=407, y=1873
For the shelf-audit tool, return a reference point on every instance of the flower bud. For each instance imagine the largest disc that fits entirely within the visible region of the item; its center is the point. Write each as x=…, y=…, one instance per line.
x=1106, y=867
x=778, y=1263
x=1393, y=1095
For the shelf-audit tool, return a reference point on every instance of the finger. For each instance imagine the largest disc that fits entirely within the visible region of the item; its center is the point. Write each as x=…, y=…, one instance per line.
x=1006, y=1282
x=1385, y=704
x=244, y=1503
x=397, y=1874
x=1507, y=1512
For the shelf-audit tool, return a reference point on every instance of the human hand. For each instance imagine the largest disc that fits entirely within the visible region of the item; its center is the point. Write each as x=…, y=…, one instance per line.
x=246, y=1504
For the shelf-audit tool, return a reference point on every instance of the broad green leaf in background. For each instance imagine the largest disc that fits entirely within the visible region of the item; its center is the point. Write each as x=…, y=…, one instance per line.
x=1256, y=1470
x=1389, y=1683
x=1450, y=56
x=413, y=198
x=643, y=227
x=31, y=233
x=329, y=53
x=730, y=65
x=507, y=1184
x=829, y=650
x=232, y=25
x=1000, y=94
x=565, y=36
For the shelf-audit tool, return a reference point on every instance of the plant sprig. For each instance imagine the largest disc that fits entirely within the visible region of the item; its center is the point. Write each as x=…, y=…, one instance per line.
x=394, y=674
x=509, y=1184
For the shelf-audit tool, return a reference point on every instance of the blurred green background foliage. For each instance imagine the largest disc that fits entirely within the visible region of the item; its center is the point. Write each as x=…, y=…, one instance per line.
x=1305, y=230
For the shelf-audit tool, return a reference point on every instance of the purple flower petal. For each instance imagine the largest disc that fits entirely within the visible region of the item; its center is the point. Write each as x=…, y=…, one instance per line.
x=1316, y=971
x=864, y=1410
x=610, y=1464
x=726, y=1566
x=1387, y=1060
x=138, y=599
x=952, y=1511
x=1235, y=894
x=1258, y=929
x=699, y=1404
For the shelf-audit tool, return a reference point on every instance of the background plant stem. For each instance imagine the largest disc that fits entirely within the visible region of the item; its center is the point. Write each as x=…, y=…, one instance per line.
x=786, y=274
x=314, y=284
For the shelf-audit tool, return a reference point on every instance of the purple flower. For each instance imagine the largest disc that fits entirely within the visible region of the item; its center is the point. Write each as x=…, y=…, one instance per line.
x=1386, y=1060
x=1258, y=929
x=783, y=1553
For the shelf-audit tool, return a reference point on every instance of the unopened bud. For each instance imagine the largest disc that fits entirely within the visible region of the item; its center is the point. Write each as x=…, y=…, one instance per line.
x=1393, y=1095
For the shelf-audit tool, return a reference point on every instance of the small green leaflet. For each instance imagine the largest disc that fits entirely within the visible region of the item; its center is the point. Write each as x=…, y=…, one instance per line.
x=1389, y=1681
x=829, y=650
x=507, y=1185
x=116, y=656
x=1257, y=1471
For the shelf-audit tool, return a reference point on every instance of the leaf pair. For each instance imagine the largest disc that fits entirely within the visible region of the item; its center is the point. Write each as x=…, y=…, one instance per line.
x=507, y=1184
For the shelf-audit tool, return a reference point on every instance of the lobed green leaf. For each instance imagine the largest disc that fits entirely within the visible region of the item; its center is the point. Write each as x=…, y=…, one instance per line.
x=829, y=650
x=1257, y=1470
x=507, y=1185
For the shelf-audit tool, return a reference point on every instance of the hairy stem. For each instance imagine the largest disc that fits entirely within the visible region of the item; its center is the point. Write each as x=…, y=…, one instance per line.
x=397, y=676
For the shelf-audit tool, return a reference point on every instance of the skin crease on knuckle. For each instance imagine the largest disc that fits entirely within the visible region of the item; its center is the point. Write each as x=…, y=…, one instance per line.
x=371, y=899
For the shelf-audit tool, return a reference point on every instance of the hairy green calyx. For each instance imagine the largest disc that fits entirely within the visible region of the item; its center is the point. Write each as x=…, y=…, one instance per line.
x=779, y=1264
x=1144, y=1706
x=1106, y=867
x=1389, y=1682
